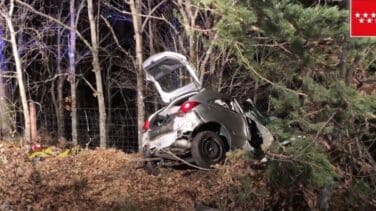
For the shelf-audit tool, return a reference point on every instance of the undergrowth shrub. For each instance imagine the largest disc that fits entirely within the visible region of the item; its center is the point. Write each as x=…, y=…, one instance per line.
x=304, y=164
x=328, y=109
x=359, y=191
x=241, y=187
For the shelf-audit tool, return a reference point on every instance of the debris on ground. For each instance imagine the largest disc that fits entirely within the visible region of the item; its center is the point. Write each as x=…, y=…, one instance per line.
x=111, y=180
x=108, y=179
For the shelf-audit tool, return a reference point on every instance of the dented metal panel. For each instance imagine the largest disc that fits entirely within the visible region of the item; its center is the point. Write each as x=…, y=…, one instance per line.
x=267, y=137
x=186, y=123
x=177, y=130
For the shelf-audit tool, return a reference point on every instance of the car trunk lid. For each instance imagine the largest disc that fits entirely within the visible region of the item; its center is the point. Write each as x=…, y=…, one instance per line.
x=171, y=75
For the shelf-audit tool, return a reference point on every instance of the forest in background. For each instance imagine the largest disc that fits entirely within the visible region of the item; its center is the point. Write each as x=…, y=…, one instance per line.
x=294, y=58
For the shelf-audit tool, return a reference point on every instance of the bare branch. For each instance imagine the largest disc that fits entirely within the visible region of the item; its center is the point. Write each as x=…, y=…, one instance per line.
x=150, y=13
x=116, y=39
x=88, y=83
x=145, y=16
x=32, y=9
x=7, y=76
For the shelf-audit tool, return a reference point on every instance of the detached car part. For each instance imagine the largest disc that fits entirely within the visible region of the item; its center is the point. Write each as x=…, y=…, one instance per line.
x=197, y=124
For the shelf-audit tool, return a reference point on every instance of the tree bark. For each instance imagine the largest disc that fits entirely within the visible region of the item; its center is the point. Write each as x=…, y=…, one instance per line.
x=189, y=21
x=98, y=76
x=72, y=70
x=60, y=84
x=6, y=125
x=343, y=62
x=19, y=73
x=350, y=71
x=33, y=122
x=151, y=52
x=135, y=6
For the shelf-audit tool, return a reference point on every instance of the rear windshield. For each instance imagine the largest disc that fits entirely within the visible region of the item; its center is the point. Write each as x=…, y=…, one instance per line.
x=171, y=75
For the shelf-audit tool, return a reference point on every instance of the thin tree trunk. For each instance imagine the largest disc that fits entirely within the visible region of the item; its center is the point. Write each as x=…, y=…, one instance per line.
x=72, y=70
x=206, y=59
x=98, y=76
x=109, y=99
x=53, y=98
x=60, y=84
x=151, y=52
x=21, y=85
x=150, y=32
x=350, y=71
x=33, y=122
x=343, y=62
x=135, y=6
x=189, y=18
x=6, y=125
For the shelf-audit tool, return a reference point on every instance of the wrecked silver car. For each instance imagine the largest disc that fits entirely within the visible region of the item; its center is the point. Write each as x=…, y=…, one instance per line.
x=197, y=125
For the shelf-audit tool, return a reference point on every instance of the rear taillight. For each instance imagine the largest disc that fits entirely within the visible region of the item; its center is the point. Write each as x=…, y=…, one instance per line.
x=188, y=105
x=146, y=125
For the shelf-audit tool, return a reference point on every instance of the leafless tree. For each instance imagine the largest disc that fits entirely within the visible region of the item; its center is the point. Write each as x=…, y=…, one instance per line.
x=136, y=6
x=7, y=13
x=59, y=104
x=98, y=75
x=72, y=68
x=6, y=123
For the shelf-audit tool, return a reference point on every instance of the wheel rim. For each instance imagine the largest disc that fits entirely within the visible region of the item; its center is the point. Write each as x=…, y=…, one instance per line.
x=211, y=149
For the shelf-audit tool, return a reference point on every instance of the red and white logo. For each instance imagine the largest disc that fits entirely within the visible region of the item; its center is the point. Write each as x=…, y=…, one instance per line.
x=363, y=18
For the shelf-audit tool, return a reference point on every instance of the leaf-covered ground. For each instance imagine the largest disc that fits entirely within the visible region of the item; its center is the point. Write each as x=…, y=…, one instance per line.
x=107, y=179
x=112, y=180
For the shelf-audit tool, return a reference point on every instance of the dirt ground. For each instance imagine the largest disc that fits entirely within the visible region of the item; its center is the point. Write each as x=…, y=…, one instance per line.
x=113, y=180
x=110, y=179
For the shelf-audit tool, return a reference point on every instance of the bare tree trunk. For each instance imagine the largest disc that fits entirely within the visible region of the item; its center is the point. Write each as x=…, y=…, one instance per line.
x=350, y=71
x=33, y=122
x=109, y=99
x=6, y=125
x=60, y=84
x=343, y=62
x=151, y=52
x=74, y=116
x=189, y=18
x=150, y=32
x=21, y=85
x=135, y=6
x=72, y=70
x=98, y=76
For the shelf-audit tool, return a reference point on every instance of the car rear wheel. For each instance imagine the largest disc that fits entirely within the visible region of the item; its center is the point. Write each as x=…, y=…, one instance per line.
x=207, y=148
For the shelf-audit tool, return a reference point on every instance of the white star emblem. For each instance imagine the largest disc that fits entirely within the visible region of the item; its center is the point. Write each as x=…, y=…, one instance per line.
x=365, y=15
x=369, y=20
x=361, y=20
x=373, y=15
x=357, y=15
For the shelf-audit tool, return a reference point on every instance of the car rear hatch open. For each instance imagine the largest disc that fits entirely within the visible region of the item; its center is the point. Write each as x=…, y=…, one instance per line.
x=171, y=74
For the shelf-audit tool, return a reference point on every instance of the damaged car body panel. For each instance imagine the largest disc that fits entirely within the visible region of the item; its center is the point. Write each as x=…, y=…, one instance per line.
x=197, y=124
x=227, y=114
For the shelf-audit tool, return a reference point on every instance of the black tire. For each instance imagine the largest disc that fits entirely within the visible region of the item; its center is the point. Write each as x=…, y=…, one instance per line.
x=207, y=149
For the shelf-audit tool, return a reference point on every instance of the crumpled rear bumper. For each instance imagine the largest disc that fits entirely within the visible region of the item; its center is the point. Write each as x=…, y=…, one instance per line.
x=172, y=135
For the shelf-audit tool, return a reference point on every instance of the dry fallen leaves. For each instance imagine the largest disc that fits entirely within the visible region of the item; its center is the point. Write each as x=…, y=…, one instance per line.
x=105, y=179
